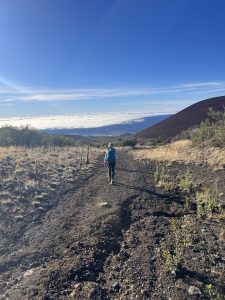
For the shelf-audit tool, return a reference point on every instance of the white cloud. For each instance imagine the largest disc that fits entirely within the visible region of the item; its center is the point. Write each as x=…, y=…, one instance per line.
x=79, y=120
x=202, y=84
x=10, y=91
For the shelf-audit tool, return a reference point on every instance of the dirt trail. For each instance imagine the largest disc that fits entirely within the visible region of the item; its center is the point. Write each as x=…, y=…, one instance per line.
x=99, y=242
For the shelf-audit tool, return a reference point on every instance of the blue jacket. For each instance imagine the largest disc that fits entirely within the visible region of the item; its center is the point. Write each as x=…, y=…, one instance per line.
x=110, y=155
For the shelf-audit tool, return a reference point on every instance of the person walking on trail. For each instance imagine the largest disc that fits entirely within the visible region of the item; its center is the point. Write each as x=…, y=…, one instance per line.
x=110, y=160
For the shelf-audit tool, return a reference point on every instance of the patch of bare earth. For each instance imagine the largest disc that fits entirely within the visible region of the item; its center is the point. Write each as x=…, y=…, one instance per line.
x=102, y=241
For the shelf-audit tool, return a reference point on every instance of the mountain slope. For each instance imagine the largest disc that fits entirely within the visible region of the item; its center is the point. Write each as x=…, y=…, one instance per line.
x=187, y=118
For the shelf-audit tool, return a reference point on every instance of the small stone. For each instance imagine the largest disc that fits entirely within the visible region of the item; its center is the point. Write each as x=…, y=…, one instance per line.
x=116, y=286
x=73, y=294
x=3, y=285
x=28, y=273
x=39, y=197
x=180, y=284
x=105, y=204
x=116, y=268
x=144, y=292
x=33, y=292
x=193, y=290
x=40, y=208
x=80, y=244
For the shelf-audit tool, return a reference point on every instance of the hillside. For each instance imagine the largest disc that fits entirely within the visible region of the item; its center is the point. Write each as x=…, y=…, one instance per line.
x=183, y=120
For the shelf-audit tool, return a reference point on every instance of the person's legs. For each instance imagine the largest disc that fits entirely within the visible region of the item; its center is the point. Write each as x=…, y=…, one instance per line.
x=113, y=170
x=110, y=172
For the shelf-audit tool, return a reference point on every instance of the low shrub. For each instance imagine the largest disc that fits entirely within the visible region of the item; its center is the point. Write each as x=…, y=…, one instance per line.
x=173, y=253
x=159, y=174
x=26, y=136
x=129, y=142
x=208, y=201
x=212, y=131
x=186, y=183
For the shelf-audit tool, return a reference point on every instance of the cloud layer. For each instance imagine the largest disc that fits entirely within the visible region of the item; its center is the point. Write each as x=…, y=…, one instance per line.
x=77, y=121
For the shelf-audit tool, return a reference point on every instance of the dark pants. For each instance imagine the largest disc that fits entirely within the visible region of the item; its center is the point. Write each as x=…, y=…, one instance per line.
x=111, y=170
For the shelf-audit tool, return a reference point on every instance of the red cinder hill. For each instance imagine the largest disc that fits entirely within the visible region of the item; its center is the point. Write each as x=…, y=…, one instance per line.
x=183, y=120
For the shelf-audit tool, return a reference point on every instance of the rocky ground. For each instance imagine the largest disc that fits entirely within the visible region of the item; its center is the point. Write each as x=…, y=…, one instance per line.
x=142, y=238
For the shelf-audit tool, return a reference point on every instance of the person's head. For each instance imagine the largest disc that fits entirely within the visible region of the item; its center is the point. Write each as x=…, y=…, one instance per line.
x=110, y=145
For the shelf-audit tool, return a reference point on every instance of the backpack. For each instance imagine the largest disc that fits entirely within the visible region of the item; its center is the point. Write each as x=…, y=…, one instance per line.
x=111, y=155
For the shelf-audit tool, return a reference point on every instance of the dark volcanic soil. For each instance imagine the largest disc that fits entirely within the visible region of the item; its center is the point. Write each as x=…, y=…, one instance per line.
x=105, y=242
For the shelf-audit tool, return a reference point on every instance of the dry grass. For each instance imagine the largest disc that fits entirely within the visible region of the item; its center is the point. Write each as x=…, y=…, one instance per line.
x=183, y=150
x=57, y=155
x=33, y=180
x=57, y=164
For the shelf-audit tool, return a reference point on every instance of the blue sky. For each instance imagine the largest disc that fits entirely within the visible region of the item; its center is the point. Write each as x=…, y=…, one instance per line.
x=60, y=57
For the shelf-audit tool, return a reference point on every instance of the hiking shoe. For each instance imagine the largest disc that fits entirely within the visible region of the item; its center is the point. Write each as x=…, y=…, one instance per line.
x=111, y=182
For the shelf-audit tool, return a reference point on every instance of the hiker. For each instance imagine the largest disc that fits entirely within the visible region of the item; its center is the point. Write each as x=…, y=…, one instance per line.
x=110, y=160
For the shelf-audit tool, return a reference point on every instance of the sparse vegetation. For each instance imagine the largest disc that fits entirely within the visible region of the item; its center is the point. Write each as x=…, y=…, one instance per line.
x=171, y=261
x=169, y=185
x=186, y=183
x=161, y=179
x=159, y=174
x=131, y=142
x=208, y=201
x=30, y=178
x=212, y=131
x=187, y=203
x=173, y=253
x=211, y=293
